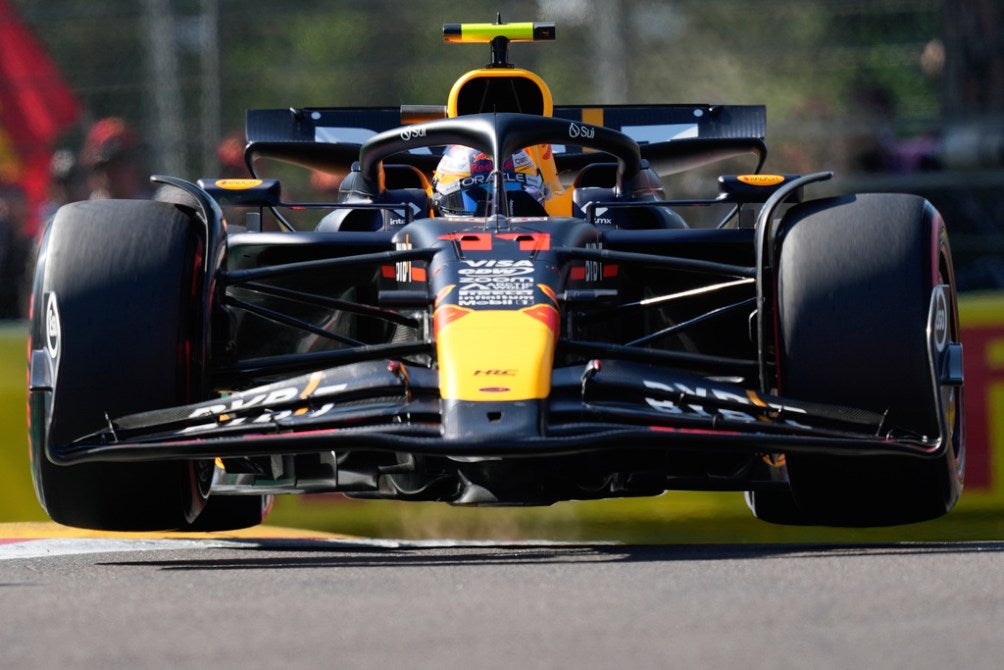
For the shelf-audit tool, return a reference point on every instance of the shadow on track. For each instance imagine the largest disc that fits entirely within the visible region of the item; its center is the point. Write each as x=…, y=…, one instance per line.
x=299, y=554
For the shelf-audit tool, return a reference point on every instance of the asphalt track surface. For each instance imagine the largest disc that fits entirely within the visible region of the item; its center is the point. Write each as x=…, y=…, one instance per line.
x=292, y=600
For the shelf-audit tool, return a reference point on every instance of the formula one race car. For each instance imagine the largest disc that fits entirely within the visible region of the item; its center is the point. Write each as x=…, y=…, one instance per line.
x=500, y=307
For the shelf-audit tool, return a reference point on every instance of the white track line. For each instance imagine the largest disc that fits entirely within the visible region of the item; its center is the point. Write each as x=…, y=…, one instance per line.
x=72, y=546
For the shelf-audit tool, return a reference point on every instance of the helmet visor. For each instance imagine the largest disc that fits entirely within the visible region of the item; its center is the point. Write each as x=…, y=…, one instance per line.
x=473, y=200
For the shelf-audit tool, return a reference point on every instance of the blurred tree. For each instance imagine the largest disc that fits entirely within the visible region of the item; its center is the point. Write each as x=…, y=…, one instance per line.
x=805, y=59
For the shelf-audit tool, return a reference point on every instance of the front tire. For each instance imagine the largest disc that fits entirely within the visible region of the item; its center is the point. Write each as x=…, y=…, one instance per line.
x=115, y=306
x=855, y=277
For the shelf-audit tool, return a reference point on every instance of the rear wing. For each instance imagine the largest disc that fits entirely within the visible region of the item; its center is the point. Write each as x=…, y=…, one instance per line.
x=672, y=137
x=676, y=138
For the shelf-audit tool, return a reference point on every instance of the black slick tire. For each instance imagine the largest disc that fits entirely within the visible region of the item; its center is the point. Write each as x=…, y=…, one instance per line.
x=854, y=282
x=115, y=302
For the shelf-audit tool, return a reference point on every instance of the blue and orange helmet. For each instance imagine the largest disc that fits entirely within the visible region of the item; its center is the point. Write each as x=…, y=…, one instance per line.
x=464, y=183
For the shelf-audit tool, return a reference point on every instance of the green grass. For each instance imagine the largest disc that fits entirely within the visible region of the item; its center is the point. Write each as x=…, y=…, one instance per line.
x=17, y=496
x=676, y=517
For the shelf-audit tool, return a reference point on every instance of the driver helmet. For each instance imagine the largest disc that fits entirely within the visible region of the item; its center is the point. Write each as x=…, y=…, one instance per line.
x=462, y=184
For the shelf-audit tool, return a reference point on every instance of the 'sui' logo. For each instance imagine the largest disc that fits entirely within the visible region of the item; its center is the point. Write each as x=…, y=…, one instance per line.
x=411, y=133
x=575, y=131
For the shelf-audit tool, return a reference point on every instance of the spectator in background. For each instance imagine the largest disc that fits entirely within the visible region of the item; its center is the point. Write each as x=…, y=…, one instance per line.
x=112, y=155
x=14, y=249
x=230, y=154
x=67, y=183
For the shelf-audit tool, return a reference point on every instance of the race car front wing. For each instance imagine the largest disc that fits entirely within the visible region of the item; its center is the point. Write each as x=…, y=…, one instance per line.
x=388, y=406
